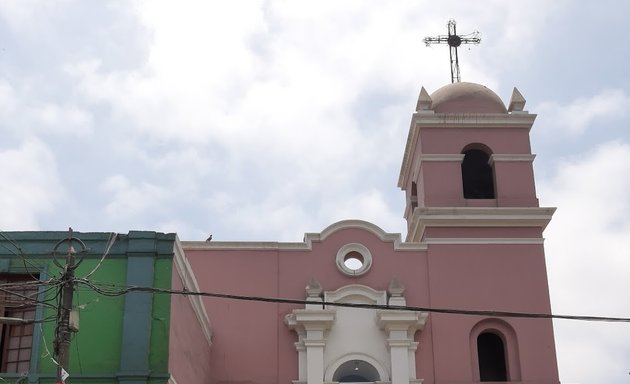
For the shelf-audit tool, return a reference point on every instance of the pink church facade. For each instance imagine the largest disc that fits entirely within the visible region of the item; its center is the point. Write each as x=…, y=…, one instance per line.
x=474, y=243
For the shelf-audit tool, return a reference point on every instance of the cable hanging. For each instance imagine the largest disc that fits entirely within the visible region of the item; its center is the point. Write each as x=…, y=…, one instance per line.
x=119, y=292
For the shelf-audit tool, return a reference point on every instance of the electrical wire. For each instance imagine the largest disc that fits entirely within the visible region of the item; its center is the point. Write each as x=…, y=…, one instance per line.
x=29, y=300
x=112, y=239
x=490, y=313
x=20, y=255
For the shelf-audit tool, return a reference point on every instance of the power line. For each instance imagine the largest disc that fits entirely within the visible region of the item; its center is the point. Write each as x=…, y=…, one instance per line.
x=20, y=255
x=529, y=315
x=112, y=239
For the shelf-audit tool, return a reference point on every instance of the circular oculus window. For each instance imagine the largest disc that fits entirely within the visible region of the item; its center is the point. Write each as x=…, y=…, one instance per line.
x=354, y=259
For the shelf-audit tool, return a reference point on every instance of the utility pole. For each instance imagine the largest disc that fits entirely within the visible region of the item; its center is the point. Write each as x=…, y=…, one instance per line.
x=63, y=331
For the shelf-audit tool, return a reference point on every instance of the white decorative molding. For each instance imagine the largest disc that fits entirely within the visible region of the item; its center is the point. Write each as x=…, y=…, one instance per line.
x=477, y=217
x=511, y=158
x=480, y=240
x=362, y=250
x=517, y=102
x=189, y=281
x=400, y=328
x=256, y=245
x=441, y=157
x=474, y=120
x=342, y=294
x=328, y=338
x=307, y=245
x=424, y=101
x=311, y=325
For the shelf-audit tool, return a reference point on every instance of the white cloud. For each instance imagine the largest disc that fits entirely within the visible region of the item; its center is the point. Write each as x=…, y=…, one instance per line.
x=128, y=201
x=24, y=114
x=28, y=16
x=30, y=185
x=7, y=99
x=588, y=259
x=576, y=117
x=57, y=119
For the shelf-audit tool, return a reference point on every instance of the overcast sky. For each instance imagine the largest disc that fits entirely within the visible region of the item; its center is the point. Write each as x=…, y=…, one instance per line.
x=266, y=120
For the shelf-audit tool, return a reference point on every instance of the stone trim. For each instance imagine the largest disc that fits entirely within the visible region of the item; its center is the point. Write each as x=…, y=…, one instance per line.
x=511, y=158
x=497, y=240
x=441, y=157
x=185, y=272
x=361, y=249
x=307, y=245
x=477, y=217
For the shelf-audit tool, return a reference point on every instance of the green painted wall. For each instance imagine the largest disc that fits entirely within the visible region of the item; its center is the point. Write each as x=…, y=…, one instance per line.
x=96, y=350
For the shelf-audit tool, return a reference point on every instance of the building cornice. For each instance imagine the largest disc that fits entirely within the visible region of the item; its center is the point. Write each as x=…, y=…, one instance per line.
x=481, y=240
x=309, y=238
x=473, y=120
x=424, y=217
x=497, y=158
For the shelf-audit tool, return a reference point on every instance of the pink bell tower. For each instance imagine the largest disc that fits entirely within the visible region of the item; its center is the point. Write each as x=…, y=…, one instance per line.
x=468, y=177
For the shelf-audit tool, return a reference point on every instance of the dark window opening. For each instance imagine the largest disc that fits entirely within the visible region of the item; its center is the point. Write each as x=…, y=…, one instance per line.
x=491, y=353
x=17, y=301
x=353, y=379
x=356, y=371
x=477, y=175
x=414, y=196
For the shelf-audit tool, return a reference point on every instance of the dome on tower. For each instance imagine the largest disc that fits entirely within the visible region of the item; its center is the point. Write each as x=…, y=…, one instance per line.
x=466, y=98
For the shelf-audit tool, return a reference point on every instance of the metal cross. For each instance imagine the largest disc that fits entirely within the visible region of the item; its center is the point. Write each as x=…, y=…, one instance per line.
x=454, y=41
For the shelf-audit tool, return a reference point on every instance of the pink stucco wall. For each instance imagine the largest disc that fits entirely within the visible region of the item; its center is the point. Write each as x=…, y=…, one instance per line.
x=253, y=345
x=189, y=350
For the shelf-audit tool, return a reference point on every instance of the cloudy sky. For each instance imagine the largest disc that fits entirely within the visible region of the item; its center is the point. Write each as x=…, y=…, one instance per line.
x=264, y=120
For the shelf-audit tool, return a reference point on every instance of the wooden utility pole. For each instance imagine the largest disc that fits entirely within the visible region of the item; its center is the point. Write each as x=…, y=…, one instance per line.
x=63, y=331
x=67, y=294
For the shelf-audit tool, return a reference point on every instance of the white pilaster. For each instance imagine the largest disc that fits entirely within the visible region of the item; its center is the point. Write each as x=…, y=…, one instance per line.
x=400, y=327
x=311, y=324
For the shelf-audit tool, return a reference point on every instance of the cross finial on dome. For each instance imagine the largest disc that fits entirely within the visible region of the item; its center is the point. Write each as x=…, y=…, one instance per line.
x=454, y=40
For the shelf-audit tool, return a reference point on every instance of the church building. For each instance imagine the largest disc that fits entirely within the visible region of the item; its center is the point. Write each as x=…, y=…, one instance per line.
x=433, y=307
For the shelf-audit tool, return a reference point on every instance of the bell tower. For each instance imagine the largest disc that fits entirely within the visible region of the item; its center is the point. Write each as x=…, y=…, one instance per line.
x=468, y=154
x=467, y=173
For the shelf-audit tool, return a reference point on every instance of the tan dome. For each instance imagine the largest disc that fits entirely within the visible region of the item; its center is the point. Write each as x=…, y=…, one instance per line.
x=466, y=98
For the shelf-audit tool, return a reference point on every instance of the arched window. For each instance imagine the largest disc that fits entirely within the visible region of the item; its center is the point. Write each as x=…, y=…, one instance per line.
x=356, y=371
x=491, y=354
x=477, y=175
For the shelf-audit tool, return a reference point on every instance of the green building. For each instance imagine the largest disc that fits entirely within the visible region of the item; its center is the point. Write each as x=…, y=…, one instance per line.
x=118, y=336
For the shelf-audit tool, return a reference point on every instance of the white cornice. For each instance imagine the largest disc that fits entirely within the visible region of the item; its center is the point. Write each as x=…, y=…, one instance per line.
x=441, y=157
x=474, y=120
x=187, y=275
x=477, y=217
x=229, y=245
x=469, y=241
x=511, y=158
x=307, y=245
